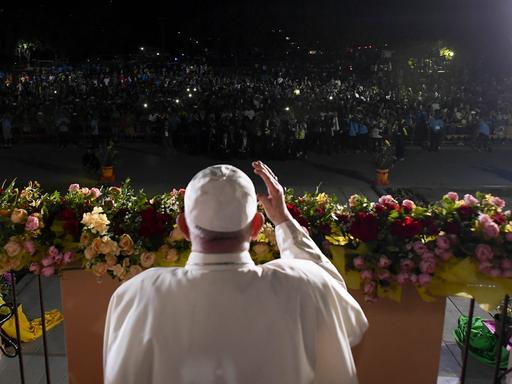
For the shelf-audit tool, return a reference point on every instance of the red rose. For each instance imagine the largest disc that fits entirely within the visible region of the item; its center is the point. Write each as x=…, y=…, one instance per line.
x=465, y=212
x=319, y=211
x=72, y=227
x=379, y=208
x=499, y=218
x=67, y=214
x=148, y=214
x=364, y=227
x=452, y=227
x=406, y=228
x=297, y=215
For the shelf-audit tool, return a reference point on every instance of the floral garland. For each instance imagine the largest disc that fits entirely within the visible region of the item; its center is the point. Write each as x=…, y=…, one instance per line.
x=119, y=232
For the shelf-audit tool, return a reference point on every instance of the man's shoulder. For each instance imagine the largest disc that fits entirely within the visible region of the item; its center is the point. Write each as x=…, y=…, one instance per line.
x=147, y=279
x=298, y=269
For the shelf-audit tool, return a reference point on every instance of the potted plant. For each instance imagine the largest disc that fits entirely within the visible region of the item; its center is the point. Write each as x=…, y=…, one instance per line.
x=107, y=156
x=384, y=158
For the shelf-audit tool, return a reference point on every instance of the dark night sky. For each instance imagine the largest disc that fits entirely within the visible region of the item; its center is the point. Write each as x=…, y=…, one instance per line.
x=115, y=27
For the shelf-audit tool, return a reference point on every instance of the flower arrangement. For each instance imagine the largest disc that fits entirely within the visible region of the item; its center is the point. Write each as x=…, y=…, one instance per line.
x=384, y=157
x=384, y=245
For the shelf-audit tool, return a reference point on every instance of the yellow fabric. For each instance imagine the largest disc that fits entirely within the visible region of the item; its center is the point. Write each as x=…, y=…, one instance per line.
x=461, y=278
x=30, y=330
x=453, y=278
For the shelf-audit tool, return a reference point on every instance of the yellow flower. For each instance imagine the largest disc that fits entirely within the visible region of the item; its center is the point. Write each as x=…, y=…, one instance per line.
x=261, y=248
x=176, y=235
x=96, y=221
x=322, y=198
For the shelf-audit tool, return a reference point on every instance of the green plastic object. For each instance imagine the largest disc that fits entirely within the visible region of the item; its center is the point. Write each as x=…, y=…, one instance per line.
x=482, y=343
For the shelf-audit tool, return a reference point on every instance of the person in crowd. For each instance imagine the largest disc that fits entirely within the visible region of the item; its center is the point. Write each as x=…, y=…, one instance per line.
x=7, y=130
x=224, y=319
x=436, y=125
x=484, y=134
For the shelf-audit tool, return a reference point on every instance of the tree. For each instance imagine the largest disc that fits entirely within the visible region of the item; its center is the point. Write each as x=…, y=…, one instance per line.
x=25, y=48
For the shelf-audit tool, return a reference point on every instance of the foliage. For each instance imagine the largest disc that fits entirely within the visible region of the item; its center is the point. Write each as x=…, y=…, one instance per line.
x=119, y=232
x=107, y=154
x=384, y=156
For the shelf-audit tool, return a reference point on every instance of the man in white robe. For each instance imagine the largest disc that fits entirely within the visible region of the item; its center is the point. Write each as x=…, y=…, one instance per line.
x=223, y=319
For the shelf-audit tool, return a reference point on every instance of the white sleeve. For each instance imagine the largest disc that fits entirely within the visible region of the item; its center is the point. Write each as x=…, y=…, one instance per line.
x=127, y=355
x=294, y=243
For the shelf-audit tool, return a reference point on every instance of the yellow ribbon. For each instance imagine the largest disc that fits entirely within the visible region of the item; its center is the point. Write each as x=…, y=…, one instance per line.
x=30, y=330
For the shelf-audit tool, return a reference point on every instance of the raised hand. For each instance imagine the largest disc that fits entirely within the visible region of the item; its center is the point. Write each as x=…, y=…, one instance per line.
x=273, y=202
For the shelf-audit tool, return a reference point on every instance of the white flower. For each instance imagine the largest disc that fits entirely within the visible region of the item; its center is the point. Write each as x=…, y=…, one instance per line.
x=96, y=221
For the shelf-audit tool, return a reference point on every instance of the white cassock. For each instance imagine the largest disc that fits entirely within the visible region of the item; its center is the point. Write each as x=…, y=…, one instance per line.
x=223, y=319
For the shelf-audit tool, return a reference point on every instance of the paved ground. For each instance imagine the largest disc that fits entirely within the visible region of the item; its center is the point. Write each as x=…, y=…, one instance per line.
x=429, y=174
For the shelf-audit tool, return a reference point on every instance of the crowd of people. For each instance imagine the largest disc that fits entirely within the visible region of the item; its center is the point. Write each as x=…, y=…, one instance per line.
x=281, y=110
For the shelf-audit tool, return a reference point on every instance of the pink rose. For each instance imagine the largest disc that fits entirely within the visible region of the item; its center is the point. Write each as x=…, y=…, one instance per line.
x=497, y=202
x=29, y=246
x=495, y=272
x=58, y=258
x=491, y=230
x=47, y=261
x=424, y=279
x=95, y=193
x=484, y=252
x=48, y=271
x=508, y=236
x=428, y=266
x=32, y=223
x=403, y=278
x=470, y=200
x=387, y=199
x=74, y=187
x=484, y=219
x=445, y=255
x=419, y=248
x=12, y=248
x=507, y=273
x=147, y=259
x=53, y=251
x=508, y=213
x=485, y=267
x=453, y=196
x=408, y=205
x=358, y=262
x=506, y=264
x=406, y=265
x=67, y=257
x=383, y=274
x=369, y=287
x=384, y=262
x=34, y=268
x=367, y=274
x=443, y=242
x=85, y=191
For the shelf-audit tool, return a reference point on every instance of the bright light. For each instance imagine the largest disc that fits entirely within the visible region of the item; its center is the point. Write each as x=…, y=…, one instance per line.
x=312, y=52
x=296, y=92
x=330, y=97
x=188, y=89
x=158, y=53
x=177, y=101
x=145, y=105
x=287, y=109
x=189, y=95
x=55, y=92
x=447, y=53
x=287, y=37
x=141, y=48
x=195, y=89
